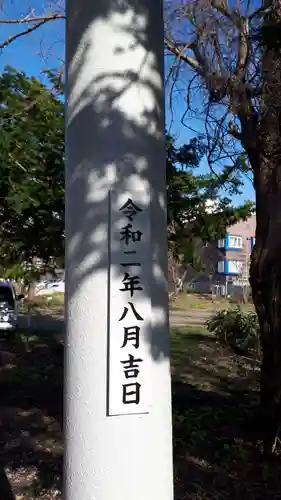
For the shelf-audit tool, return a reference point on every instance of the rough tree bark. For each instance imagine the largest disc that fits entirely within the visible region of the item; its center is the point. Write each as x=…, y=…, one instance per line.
x=266, y=264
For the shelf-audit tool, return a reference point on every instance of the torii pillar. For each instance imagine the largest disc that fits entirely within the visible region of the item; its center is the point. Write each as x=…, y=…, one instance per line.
x=118, y=429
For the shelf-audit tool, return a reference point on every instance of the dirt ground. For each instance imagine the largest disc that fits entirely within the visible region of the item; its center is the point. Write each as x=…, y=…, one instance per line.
x=216, y=429
x=31, y=446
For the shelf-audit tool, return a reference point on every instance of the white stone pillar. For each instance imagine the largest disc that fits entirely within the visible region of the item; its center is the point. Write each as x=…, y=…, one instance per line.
x=117, y=380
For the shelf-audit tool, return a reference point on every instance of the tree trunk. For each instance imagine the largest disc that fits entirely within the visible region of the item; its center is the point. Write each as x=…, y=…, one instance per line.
x=265, y=273
x=265, y=278
x=31, y=291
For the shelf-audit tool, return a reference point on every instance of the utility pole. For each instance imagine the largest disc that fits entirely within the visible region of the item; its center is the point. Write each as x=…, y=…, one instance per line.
x=247, y=260
x=118, y=430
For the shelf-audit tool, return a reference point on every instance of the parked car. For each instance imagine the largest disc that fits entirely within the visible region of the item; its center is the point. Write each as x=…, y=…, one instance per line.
x=8, y=307
x=51, y=287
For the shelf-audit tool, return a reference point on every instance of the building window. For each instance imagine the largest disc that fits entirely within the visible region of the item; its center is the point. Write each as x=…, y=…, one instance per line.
x=235, y=267
x=235, y=242
x=221, y=266
x=221, y=243
x=230, y=267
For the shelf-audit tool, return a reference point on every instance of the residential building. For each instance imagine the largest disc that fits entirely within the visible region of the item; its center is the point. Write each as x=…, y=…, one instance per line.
x=234, y=254
x=227, y=262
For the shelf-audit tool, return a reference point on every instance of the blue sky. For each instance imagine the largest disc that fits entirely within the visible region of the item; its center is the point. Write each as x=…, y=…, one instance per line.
x=183, y=134
x=41, y=49
x=185, y=129
x=45, y=49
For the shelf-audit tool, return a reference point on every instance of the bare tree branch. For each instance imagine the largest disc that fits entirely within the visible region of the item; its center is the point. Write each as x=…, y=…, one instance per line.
x=21, y=14
x=30, y=29
x=33, y=19
x=243, y=48
x=180, y=54
x=215, y=41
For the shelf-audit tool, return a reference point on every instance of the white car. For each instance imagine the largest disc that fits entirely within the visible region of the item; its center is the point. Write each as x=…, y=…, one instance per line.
x=52, y=287
x=57, y=285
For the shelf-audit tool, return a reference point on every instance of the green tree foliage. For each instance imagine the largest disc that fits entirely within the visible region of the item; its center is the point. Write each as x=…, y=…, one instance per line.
x=32, y=180
x=198, y=209
x=31, y=169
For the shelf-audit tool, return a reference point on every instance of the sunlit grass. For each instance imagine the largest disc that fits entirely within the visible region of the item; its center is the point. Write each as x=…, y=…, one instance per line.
x=185, y=301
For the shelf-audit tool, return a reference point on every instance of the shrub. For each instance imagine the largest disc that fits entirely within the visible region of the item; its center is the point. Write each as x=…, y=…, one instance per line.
x=236, y=329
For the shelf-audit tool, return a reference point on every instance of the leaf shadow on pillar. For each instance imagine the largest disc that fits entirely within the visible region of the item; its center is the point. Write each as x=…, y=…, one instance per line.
x=98, y=106
x=107, y=144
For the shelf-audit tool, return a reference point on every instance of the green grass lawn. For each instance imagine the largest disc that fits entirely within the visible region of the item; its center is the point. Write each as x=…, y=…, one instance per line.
x=216, y=448
x=52, y=304
x=185, y=301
